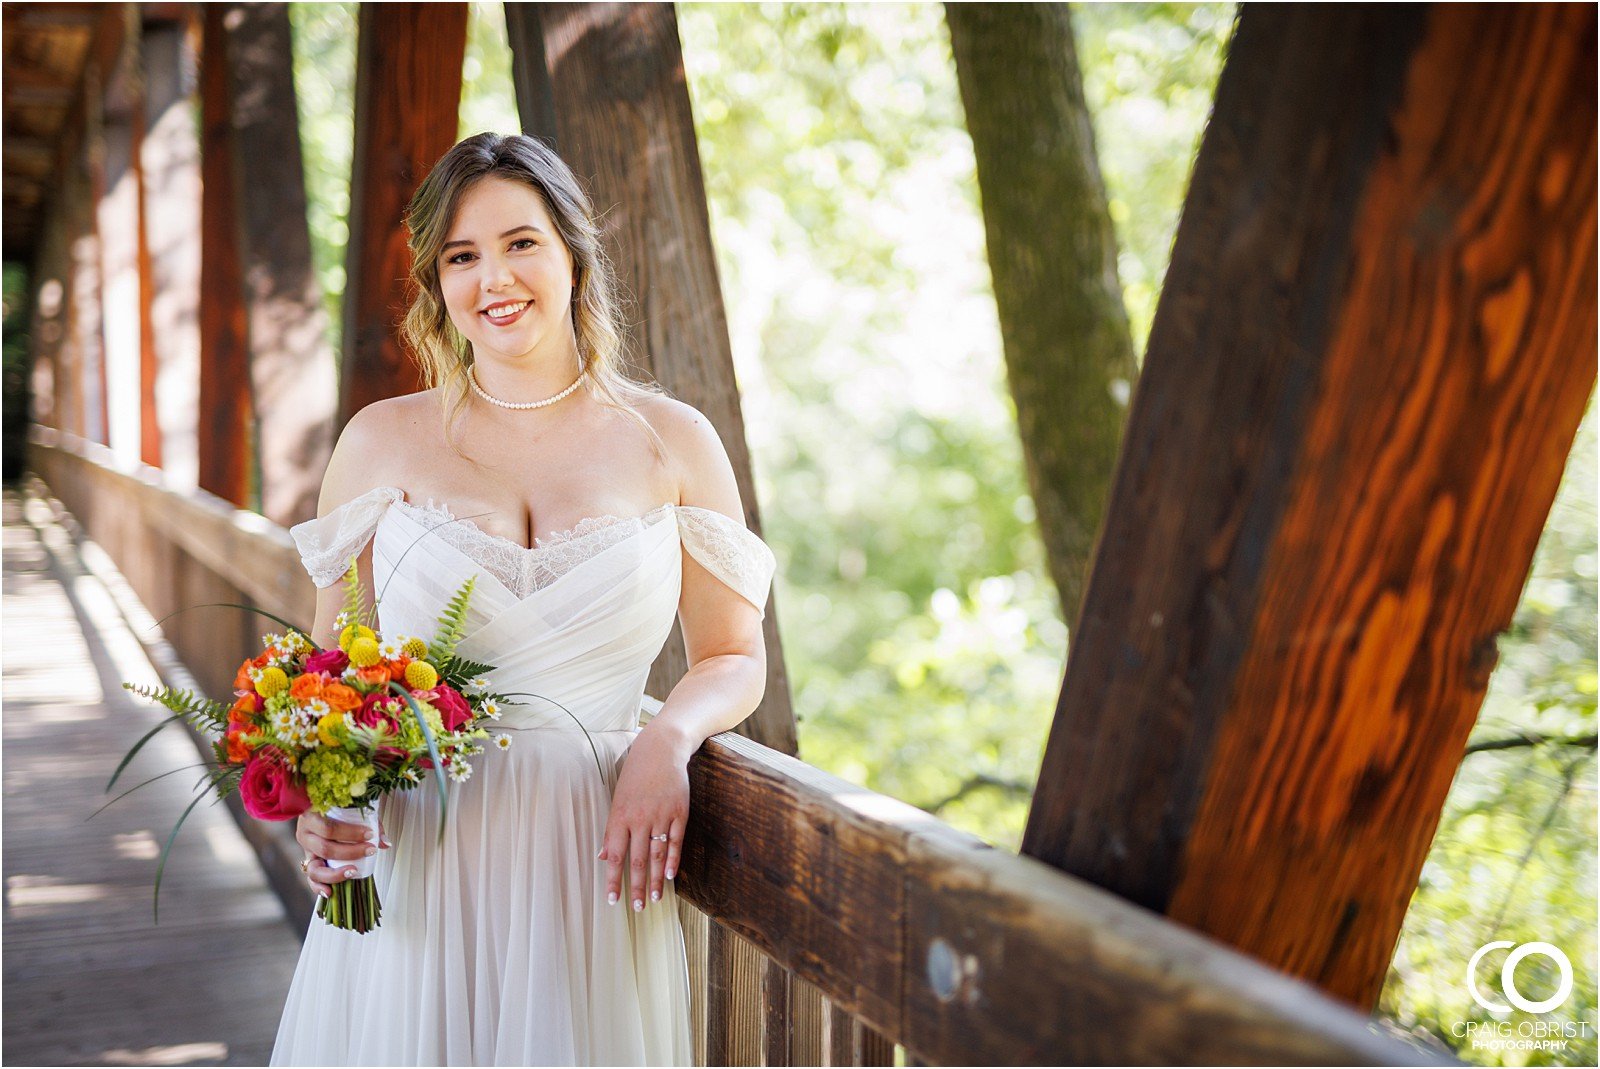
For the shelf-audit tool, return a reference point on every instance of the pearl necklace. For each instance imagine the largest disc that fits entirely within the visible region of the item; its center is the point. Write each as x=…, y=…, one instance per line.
x=472, y=377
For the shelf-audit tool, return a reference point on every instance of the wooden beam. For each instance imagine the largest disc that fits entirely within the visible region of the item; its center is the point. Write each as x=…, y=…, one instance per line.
x=293, y=378
x=408, y=100
x=1372, y=353
x=610, y=76
x=969, y=955
x=224, y=391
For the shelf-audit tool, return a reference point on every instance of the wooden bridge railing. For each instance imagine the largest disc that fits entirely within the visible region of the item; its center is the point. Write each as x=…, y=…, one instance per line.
x=826, y=923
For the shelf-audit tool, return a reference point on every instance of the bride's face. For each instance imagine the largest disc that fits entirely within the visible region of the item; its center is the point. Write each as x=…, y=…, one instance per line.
x=503, y=249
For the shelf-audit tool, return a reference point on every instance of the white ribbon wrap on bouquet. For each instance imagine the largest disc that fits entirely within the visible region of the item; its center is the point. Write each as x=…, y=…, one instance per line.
x=368, y=817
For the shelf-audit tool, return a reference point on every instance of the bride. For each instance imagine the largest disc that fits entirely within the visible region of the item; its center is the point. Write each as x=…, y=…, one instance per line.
x=592, y=510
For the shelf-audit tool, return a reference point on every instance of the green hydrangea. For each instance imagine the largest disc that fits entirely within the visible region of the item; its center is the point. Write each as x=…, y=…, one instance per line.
x=411, y=735
x=334, y=778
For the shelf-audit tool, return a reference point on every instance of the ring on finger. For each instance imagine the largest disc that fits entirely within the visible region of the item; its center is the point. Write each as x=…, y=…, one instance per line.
x=659, y=838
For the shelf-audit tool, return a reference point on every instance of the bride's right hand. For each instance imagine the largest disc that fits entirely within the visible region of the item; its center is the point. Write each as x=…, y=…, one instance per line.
x=328, y=841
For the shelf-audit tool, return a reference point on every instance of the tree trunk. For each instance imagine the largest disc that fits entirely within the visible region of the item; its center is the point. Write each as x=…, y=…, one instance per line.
x=1053, y=257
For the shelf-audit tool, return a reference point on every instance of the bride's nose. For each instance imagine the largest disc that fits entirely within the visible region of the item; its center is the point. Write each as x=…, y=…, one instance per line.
x=497, y=275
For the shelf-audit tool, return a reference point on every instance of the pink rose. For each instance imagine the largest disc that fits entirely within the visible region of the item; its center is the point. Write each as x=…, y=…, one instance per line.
x=453, y=708
x=333, y=662
x=379, y=708
x=270, y=788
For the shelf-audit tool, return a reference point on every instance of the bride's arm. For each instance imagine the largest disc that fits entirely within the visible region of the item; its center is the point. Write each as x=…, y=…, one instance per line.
x=725, y=681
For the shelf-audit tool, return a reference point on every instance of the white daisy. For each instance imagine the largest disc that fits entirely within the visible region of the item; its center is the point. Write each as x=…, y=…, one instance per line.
x=491, y=709
x=342, y=620
x=503, y=741
x=390, y=649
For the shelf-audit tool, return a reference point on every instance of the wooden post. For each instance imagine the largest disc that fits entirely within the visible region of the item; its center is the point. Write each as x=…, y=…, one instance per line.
x=122, y=304
x=408, y=100
x=225, y=415
x=169, y=165
x=1373, y=350
x=293, y=380
x=611, y=78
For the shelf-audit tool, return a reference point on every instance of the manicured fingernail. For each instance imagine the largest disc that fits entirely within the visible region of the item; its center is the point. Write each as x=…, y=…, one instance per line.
x=638, y=904
x=385, y=844
x=611, y=898
x=371, y=850
x=670, y=874
x=601, y=855
x=349, y=874
x=655, y=896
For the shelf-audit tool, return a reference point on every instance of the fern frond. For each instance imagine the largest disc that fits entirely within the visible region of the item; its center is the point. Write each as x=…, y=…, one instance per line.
x=457, y=670
x=355, y=595
x=452, y=624
x=196, y=708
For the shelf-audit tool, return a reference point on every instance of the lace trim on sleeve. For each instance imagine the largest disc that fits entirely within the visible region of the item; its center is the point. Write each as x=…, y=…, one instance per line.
x=328, y=542
x=730, y=551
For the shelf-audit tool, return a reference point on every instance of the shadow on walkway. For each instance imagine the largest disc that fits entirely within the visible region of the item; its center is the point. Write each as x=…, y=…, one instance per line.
x=89, y=978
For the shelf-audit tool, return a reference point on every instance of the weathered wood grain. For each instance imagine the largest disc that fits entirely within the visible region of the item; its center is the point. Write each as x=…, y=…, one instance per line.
x=1371, y=355
x=969, y=955
x=610, y=78
x=408, y=99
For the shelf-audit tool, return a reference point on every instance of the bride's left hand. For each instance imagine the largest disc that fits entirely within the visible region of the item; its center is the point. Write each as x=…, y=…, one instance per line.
x=652, y=797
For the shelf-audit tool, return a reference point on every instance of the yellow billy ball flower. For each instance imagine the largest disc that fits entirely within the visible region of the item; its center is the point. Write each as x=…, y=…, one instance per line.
x=271, y=681
x=325, y=728
x=420, y=675
x=349, y=635
x=416, y=649
x=364, y=652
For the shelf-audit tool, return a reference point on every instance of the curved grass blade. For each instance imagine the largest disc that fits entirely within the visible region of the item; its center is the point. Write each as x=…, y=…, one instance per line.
x=146, y=783
x=198, y=798
x=306, y=631
x=433, y=754
x=590, y=738
x=129, y=756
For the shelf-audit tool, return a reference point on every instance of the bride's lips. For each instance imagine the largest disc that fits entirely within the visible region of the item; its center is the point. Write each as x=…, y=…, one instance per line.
x=506, y=322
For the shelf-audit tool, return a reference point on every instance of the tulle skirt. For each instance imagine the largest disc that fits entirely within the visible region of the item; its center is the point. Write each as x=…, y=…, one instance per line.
x=498, y=947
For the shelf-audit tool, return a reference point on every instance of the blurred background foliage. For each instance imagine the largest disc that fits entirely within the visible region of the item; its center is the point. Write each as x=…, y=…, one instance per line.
x=924, y=644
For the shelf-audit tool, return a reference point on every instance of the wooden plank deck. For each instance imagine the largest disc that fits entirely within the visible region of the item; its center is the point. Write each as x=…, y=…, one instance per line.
x=89, y=978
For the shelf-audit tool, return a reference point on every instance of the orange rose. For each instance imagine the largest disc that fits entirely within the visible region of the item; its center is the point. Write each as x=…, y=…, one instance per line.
x=241, y=678
x=306, y=687
x=244, y=710
x=340, y=698
x=375, y=676
x=238, y=749
x=397, y=667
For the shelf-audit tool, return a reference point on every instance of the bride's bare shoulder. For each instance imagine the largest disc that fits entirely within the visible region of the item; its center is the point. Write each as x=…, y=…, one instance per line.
x=695, y=451
x=371, y=448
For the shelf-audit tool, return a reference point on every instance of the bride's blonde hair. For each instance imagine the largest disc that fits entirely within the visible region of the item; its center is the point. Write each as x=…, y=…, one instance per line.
x=440, y=350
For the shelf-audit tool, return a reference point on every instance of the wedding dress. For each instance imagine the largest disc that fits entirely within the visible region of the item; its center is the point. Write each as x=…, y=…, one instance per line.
x=498, y=947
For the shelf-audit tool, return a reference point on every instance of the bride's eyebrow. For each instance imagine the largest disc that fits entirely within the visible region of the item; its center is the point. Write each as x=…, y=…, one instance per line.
x=514, y=230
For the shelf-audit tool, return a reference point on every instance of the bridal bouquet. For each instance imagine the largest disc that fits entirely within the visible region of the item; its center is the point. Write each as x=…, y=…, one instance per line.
x=335, y=730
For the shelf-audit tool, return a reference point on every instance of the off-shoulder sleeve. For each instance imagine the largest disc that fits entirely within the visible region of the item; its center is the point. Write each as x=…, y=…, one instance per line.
x=328, y=542
x=730, y=551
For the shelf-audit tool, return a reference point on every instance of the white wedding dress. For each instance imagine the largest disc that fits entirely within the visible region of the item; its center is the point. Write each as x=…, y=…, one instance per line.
x=498, y=947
